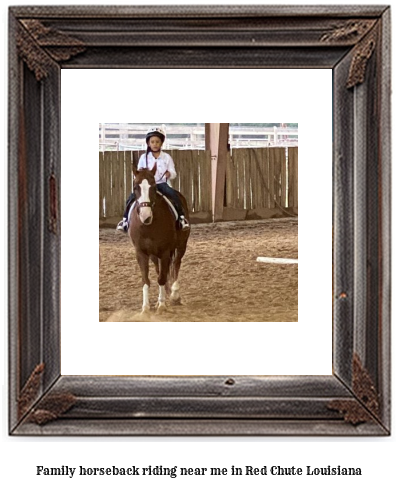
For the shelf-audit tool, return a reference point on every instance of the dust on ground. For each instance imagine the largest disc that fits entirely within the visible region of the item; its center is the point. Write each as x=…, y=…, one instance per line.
x=220, y=280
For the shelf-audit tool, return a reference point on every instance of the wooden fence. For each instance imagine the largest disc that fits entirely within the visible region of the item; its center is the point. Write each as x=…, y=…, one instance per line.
x=262, y=178
x=255, y=178
x=193, y=179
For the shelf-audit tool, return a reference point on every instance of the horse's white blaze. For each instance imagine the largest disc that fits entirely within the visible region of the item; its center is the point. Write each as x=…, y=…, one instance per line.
x=145, y=191
x=145, y=212
x=146, y=298
x=175, y=295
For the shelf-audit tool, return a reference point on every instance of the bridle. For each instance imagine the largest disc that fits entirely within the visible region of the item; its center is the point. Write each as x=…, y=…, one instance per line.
x=145, y=204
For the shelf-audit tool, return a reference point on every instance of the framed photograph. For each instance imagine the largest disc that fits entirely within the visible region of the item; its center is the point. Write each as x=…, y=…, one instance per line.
x=220, y=277
x=352, y=43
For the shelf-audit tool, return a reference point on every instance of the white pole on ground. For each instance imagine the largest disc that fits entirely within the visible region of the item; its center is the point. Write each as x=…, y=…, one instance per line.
x=275, y=260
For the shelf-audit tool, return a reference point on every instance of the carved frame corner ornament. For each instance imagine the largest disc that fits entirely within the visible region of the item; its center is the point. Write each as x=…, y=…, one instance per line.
x=38, y=46
x=30, y=391
x=354, y=43
x=41, y=410
x=361, y=56
x=51, y=408
x=366, y=406
x=362, y=32
x=350, y=31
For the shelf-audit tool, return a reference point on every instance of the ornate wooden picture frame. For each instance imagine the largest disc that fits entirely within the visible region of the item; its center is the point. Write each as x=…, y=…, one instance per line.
x=352, y=41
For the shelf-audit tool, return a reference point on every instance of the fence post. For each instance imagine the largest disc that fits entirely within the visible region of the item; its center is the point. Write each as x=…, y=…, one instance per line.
x=221, y=164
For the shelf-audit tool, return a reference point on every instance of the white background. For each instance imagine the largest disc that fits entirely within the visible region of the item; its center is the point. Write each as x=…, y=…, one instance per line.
x=376, y=456
x=303, y=348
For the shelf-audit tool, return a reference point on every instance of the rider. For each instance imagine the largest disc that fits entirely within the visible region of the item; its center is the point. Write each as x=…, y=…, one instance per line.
x=165, y=170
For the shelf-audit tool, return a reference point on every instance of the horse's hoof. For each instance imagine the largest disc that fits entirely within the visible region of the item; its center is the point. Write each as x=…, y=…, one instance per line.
x=161, y=308
x=146, y=310
x=175, y=301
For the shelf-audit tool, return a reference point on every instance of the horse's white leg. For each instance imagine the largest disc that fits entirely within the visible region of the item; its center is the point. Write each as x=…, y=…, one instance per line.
x=175, y=295
x=161, y=299
x=146, y=298
x=164, y=264
x=143, y=261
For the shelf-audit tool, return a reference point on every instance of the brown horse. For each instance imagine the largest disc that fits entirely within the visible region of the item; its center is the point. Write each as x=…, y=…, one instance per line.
x=156, y=235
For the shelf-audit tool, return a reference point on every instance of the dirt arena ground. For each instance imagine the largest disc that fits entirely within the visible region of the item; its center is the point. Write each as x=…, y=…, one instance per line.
x=220, y=280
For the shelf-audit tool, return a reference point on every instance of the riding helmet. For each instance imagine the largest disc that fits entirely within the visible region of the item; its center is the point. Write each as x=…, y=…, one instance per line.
x=156, y=131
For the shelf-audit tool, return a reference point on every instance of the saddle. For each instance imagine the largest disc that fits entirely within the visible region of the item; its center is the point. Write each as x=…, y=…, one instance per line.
x=168, y=202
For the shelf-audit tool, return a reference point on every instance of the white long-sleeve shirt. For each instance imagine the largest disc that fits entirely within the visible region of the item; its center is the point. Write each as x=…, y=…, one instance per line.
x=164, y=163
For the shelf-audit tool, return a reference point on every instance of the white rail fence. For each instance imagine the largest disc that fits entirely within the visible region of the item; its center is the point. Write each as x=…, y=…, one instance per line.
x=115, y=136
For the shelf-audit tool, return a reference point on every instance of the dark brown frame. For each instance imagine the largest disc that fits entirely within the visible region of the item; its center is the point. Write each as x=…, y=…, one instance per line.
x=353, y=41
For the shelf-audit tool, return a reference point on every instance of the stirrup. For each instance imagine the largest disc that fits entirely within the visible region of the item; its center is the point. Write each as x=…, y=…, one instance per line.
x=123, y=226
x=183, y=222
